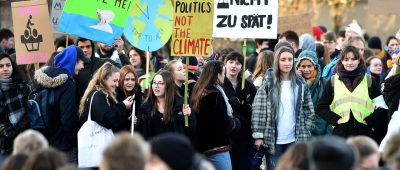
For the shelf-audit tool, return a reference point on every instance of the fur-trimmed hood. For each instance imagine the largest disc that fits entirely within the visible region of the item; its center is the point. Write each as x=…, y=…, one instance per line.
x=50, y=77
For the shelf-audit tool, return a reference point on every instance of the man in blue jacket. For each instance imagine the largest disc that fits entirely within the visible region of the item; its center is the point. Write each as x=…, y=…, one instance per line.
x=63, y=121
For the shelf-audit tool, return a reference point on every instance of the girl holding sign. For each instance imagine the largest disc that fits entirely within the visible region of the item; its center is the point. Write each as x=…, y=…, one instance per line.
x=163, y=110
x=137, y=58
x=240, y=99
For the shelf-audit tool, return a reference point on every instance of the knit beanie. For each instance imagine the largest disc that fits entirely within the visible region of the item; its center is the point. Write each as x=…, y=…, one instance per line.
x=309, y=55
x=193, y=63
x=281, y=44
x=375, y=43
x=331, y=153
x=356, y=28
x=317, y=32
x=174, y=149
x=323, y=28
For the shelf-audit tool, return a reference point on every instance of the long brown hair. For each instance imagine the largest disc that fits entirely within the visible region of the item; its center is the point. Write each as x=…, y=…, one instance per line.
x=98, y=82
x=142, y=55
x=123, y=72
x=209, y=77
x=169, y=95
x=265, y=60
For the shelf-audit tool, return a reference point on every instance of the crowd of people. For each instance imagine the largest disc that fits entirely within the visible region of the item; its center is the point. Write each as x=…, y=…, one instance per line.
x=314, y=101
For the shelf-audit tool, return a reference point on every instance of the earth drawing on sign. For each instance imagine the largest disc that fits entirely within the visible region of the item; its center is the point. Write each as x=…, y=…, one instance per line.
x=149, y=25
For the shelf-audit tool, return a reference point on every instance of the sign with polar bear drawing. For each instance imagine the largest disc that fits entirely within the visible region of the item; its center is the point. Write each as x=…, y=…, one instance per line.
x=245, y=18
x=98, y=20
x=32, y=30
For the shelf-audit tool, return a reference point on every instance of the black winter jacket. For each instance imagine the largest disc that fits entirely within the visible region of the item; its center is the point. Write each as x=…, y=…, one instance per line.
x=213, y=123
x=151, y=124
x=63, y=124
x=391, y=92
x=106, y=112
x=241, y=101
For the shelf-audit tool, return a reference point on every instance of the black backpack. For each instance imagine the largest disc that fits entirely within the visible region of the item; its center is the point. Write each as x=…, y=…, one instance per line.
x=39, y=103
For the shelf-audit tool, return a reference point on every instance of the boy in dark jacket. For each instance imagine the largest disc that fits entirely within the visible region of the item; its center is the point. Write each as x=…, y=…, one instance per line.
x=63, y=123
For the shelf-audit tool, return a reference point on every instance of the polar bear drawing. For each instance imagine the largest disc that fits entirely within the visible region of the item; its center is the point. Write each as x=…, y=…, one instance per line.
x=104, y=17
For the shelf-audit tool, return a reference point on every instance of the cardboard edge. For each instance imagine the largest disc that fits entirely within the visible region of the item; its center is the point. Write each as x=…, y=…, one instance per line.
x=28, y=3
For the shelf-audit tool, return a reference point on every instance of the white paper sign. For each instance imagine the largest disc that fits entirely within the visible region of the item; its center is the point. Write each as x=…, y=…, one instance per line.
x=56, y=11
x=245, y=18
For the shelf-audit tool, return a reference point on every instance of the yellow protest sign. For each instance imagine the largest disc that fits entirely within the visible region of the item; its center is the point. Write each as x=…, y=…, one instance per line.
x=193, y=26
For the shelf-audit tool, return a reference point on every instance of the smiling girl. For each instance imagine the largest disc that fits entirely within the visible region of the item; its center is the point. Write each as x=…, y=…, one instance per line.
x=106, y=110
x=163, y=111
x=348, y=102
x=308, y=67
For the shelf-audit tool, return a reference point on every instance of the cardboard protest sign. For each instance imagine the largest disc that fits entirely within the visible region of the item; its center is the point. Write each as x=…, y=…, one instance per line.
x=300, y=23
x=192, y=34
x=245, y=18
x=98, y=20
x=56, y=11
x=149, y=25
x=386, y=7
x=33, y=36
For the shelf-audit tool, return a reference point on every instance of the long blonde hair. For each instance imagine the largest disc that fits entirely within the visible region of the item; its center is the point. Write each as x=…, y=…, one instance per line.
x=98, y=83
x=265, y=60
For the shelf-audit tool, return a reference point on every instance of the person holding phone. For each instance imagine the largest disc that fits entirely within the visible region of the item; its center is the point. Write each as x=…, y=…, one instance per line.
x=128, y=86
x=106, y=110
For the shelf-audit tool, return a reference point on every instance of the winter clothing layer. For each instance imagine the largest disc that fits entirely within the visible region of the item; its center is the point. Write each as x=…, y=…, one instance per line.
x=106, y=112
x=63, y=124
x=264, y=119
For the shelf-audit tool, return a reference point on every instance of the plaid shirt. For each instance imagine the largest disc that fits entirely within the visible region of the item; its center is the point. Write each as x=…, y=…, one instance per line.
x=263, y=121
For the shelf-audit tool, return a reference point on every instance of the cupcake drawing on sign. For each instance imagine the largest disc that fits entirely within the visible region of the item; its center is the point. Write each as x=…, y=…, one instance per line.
x=105, y=17
x=31, y=37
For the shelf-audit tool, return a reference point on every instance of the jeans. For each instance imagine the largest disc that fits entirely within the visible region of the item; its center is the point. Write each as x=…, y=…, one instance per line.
x=272, y=160
x=221, y=161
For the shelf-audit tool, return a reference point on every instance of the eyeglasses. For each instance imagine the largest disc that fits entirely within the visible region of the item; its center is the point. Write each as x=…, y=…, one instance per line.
x=157, y=84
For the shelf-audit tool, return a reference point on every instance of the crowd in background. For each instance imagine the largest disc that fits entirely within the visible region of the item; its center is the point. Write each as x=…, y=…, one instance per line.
x=316, y=101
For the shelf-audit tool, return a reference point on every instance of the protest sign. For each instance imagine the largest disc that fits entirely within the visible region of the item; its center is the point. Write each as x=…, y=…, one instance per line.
x=98, y=20
x=56, y=11
x=245, y=18
x=300, y=23
x=33, y=36
x=149, y=25
x=192, y=34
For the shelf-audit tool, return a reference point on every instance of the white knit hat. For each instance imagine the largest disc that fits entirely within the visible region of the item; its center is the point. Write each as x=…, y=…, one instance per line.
x=356, y=28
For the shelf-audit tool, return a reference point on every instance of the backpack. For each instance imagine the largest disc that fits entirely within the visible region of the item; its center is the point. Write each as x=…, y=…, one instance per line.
x=39, y=102
x=329, y=70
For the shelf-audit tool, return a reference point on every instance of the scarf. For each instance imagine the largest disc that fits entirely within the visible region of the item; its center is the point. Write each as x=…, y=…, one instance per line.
x=351, y=78
x=228, y=106
x=310, y=81
x=12, y=100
